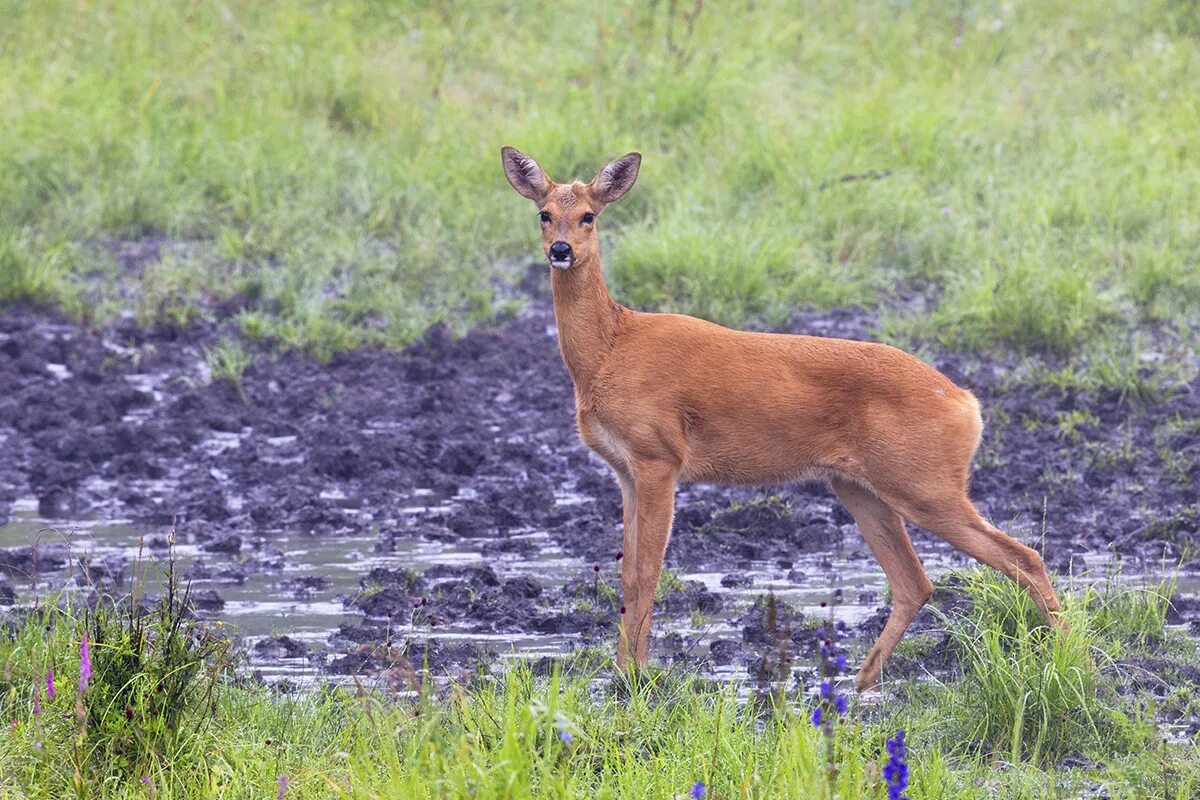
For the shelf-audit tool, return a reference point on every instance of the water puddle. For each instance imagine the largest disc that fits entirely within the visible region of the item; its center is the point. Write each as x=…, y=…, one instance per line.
x=297, y=585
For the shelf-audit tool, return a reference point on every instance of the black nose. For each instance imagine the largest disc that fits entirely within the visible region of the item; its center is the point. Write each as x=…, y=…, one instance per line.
x=560, y=251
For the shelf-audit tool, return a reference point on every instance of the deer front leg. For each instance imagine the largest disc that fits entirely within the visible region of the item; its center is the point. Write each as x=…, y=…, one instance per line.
x=628, y=566
x=654, y=488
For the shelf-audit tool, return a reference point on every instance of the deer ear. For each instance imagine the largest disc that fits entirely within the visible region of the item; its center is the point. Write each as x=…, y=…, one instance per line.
x=524, y=174
x=617, y=178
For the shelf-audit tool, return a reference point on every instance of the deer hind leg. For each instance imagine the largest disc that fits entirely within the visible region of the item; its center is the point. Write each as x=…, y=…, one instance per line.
x=883, y=530
x=956, y=520
x=654, y=487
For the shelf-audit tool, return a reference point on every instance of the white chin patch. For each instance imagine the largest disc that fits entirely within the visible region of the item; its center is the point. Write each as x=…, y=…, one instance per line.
x=560, y=264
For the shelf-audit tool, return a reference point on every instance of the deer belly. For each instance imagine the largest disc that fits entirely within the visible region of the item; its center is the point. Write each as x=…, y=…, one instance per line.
x=765, y=455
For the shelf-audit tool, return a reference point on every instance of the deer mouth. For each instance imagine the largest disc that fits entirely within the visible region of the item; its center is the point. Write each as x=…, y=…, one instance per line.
x=562, y=263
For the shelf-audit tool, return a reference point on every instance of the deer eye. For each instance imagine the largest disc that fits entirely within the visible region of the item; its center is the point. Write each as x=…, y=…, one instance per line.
x=588, y=218
x=544, y=216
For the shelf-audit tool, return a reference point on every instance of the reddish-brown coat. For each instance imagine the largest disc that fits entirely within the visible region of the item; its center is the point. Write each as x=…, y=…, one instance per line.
x=667, y=397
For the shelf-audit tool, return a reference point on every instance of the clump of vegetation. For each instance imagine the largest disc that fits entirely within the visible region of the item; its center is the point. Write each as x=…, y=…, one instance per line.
x=1035, y=692
x=228, y=360
x=118, y=689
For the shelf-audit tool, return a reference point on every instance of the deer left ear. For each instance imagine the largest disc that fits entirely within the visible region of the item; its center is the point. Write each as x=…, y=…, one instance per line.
x=617, y=178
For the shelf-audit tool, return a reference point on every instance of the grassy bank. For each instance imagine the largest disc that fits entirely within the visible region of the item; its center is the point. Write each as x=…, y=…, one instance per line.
x=1020, y=712
x=338, y=165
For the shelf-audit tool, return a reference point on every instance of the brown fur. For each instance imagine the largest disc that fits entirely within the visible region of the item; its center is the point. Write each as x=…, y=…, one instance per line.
x=665, y=397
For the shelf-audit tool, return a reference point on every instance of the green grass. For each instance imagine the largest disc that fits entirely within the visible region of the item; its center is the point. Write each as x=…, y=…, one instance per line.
x=228, y=360
x=162, y=717
x=339, y=164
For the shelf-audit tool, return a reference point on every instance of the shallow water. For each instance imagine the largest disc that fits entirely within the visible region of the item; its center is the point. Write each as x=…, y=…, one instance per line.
x=267, y=603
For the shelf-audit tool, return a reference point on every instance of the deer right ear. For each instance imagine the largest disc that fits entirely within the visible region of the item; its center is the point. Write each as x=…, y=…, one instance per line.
x=524, y=174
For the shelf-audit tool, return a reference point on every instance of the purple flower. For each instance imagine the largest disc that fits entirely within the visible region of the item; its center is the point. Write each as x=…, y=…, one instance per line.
x=817, y=716
x=895, y=772
x=565, y=735
x=841, y=704
x=840, y=663
x=698, y=791
x=37, y=702
x=283, y=787
x=826, y=690
x=85, y=663
x=50, y=682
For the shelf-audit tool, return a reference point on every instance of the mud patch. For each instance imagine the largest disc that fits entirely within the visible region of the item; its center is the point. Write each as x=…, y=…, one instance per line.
x=479, y=524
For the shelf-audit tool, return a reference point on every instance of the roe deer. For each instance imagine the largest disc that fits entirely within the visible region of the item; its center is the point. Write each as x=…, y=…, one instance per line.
x=666, y=398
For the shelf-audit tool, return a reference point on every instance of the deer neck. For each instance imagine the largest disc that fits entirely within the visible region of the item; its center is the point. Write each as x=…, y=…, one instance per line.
x=587, y=319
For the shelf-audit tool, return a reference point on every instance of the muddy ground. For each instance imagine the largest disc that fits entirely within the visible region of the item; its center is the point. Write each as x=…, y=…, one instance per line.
x=121, y=422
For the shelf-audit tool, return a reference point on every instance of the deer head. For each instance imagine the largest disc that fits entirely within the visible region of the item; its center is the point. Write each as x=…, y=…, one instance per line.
x=568, y=211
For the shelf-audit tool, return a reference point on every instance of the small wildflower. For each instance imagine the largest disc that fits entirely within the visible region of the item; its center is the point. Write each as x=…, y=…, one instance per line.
x=699, y=790
x=842, y=704
x=128, y=713
x=817, y=716
x=622, y=609
x=595, y=567
x=620, y=554
x=85, y=663
x=895, y=772
x=37, y=703
x=565, y=735
x=50, y=682
x=282, y=782
x=840, y=663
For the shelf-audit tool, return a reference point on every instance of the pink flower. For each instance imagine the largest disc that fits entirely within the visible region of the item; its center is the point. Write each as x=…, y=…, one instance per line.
x=283, y=787
x=37, y=702
x=85, y=663
x=50, y=682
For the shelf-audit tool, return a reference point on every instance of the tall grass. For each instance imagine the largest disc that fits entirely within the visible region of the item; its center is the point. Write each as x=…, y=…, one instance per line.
x=339, y=162
x=1029, y=692
x=1036, y=692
